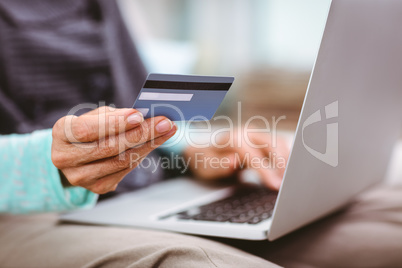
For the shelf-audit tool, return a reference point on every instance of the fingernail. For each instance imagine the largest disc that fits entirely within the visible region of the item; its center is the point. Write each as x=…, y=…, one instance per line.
x=173, y=130
x=135, y=118
x=164, y=126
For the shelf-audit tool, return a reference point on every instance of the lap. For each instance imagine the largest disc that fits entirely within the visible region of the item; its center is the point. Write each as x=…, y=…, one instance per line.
x=368, y=233
x=40, y=241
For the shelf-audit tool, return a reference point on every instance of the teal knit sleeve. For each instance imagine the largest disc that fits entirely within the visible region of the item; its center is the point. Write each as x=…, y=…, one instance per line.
x=29, y=182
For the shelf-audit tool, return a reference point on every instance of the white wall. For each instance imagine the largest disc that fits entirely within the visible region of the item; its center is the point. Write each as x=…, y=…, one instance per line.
x=229, y=36
x=294, y=32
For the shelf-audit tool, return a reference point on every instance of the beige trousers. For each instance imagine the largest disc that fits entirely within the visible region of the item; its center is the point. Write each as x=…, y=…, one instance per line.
x=366, y=234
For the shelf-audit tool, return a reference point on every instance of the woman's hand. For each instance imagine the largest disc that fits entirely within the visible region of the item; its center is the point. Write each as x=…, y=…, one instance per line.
x=96, y=150
x=241, y=150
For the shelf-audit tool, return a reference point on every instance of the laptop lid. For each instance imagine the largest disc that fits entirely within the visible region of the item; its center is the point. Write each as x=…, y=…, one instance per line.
x=351, y=115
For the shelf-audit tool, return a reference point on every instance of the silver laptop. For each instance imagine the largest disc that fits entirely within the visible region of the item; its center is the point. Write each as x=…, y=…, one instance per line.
x=349, y=123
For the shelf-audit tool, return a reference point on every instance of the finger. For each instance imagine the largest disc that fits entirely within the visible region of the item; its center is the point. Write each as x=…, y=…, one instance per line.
x=111, y=146
x=108, y=183
x=89, y=173
x=210, y=163
x=78, y=154
x=92, y=127
x=221, y=169
x=270, y=178
x=278, y=156
x=268, y=175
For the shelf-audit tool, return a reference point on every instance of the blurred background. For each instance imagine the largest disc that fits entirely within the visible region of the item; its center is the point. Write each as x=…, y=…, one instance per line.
x=268, y=45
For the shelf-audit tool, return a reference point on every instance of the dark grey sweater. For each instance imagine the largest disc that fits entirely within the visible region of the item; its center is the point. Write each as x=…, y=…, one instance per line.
x=55, y=54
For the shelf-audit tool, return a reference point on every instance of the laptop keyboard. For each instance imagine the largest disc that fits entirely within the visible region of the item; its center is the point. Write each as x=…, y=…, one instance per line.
x=250, y=205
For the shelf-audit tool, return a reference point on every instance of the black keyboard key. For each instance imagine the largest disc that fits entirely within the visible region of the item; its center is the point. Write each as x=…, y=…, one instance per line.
x=255, y=220
x=247, y=205
x=241, y=218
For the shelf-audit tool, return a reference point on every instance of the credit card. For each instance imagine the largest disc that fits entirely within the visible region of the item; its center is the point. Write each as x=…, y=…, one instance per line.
x=182, y=97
